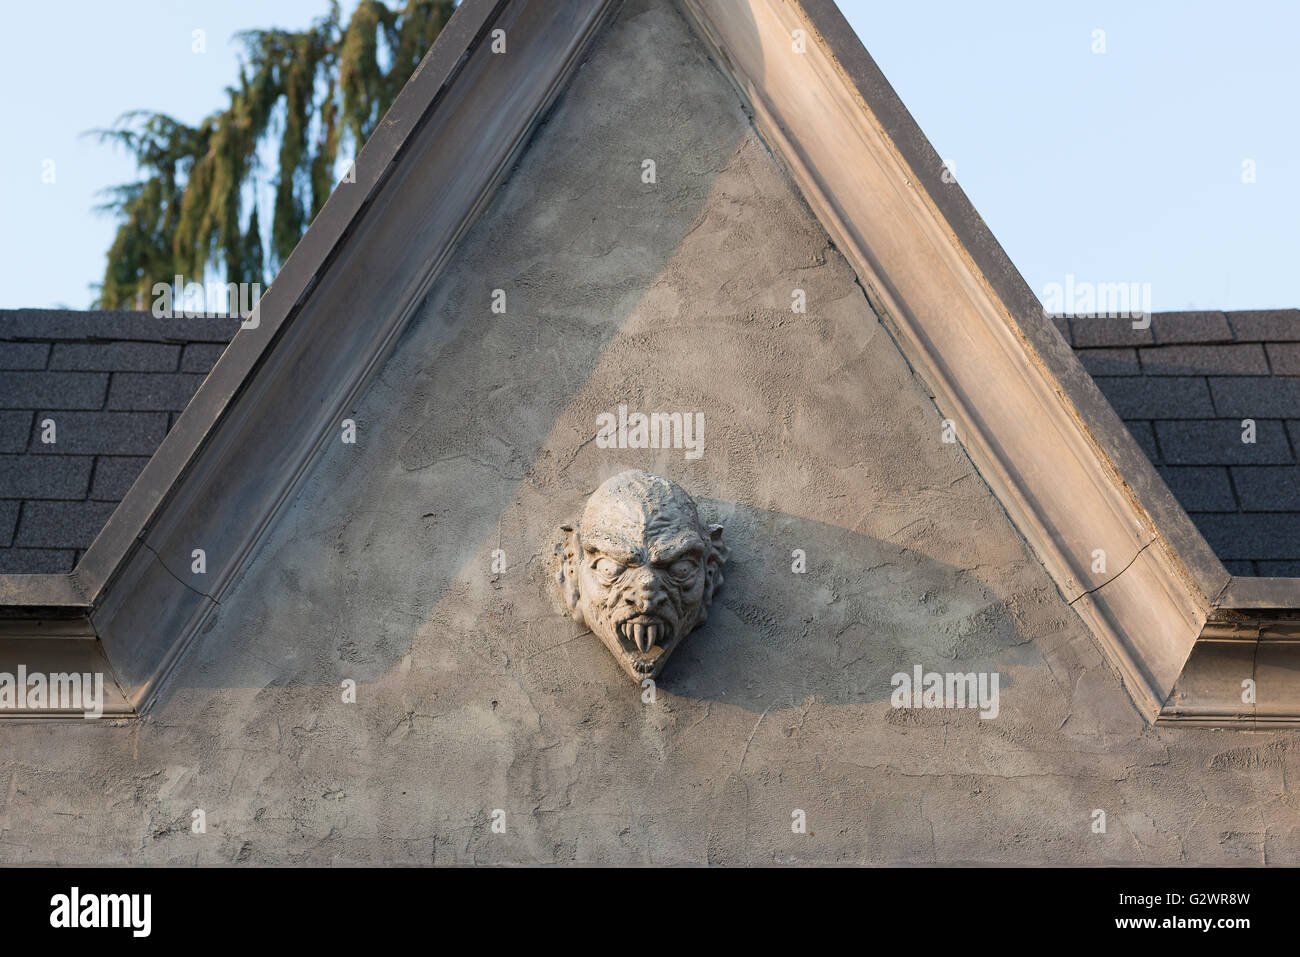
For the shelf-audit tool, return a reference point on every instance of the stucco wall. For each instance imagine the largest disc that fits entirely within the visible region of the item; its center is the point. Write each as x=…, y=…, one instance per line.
x=474, y=694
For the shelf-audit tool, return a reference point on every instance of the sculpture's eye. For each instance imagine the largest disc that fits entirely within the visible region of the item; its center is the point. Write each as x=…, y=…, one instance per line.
x=683, y=570
x=608, y=569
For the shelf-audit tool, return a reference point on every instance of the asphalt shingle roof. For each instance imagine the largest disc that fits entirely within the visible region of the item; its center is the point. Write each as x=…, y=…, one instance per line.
x=112, y=382
x=1184, y=387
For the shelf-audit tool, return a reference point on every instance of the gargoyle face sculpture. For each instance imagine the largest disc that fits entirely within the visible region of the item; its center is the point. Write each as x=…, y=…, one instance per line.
x=639, y=569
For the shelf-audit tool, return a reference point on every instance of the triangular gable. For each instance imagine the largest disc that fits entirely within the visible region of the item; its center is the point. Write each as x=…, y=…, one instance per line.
x=1050, y=447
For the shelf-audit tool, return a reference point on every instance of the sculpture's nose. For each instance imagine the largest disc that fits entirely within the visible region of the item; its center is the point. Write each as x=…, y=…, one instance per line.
x=643, y=592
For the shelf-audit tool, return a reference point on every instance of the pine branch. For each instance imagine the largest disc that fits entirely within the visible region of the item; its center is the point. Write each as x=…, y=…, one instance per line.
x=324, y=89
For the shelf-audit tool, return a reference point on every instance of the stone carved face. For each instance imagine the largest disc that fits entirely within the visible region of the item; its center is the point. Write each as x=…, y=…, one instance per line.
x=639, y=569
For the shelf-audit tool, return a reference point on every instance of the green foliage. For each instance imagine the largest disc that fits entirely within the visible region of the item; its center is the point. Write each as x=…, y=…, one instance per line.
x=315, y=92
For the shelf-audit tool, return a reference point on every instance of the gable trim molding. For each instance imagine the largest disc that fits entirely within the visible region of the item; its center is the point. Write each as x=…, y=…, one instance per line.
x=1066, y=469
x=326, y=324
x=1171, y=621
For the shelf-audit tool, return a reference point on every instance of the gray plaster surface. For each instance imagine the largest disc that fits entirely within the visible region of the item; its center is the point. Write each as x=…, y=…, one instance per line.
x=474, y=693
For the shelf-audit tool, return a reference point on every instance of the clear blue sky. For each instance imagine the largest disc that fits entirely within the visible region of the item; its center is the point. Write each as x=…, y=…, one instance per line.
x=1122, y=166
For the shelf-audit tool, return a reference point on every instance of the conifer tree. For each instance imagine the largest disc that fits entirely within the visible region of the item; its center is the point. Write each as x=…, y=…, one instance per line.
x=318, y=92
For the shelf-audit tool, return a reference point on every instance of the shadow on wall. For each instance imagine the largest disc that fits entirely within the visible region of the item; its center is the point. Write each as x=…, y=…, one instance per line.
x=576, y=237
x=863, y=610
x=477, y=438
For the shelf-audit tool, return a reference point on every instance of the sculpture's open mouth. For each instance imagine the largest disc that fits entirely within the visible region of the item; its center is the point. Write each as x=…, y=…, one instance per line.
x=642, y=632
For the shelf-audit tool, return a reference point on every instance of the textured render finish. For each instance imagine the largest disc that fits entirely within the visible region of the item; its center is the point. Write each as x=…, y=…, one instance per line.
x=1183, y=387
x=474, y=695
x=113, y=382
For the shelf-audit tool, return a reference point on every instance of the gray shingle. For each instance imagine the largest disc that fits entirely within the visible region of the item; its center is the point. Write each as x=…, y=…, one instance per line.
x=201, y=356
x=1244, y=497
x=78, y=325
x=1218, y=442
x=1200, y=488
x=1268, y=488
x=1266, y=325
x=1091, y=332
x=145, y=391
x=8, y=522
x=1258, y=537
x=53, y=390
x=1255, y=398
x=1145, y=437
x=1062, y=326
x=1110, y=361
x=44, y=476
x=1245, y=358
x=114, y=476
x=61, y=524
x=104, y=433
x=36, y=561
x=72, y=362
x=15, y=431
x=1174, y=327
x=115, y=356
x=24, y=355
x=1284, y=357
x=1144, y=397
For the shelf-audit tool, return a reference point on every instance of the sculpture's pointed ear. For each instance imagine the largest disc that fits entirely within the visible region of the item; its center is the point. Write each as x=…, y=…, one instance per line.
x=713, y=563
x=718, y=552
x=567, y=550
